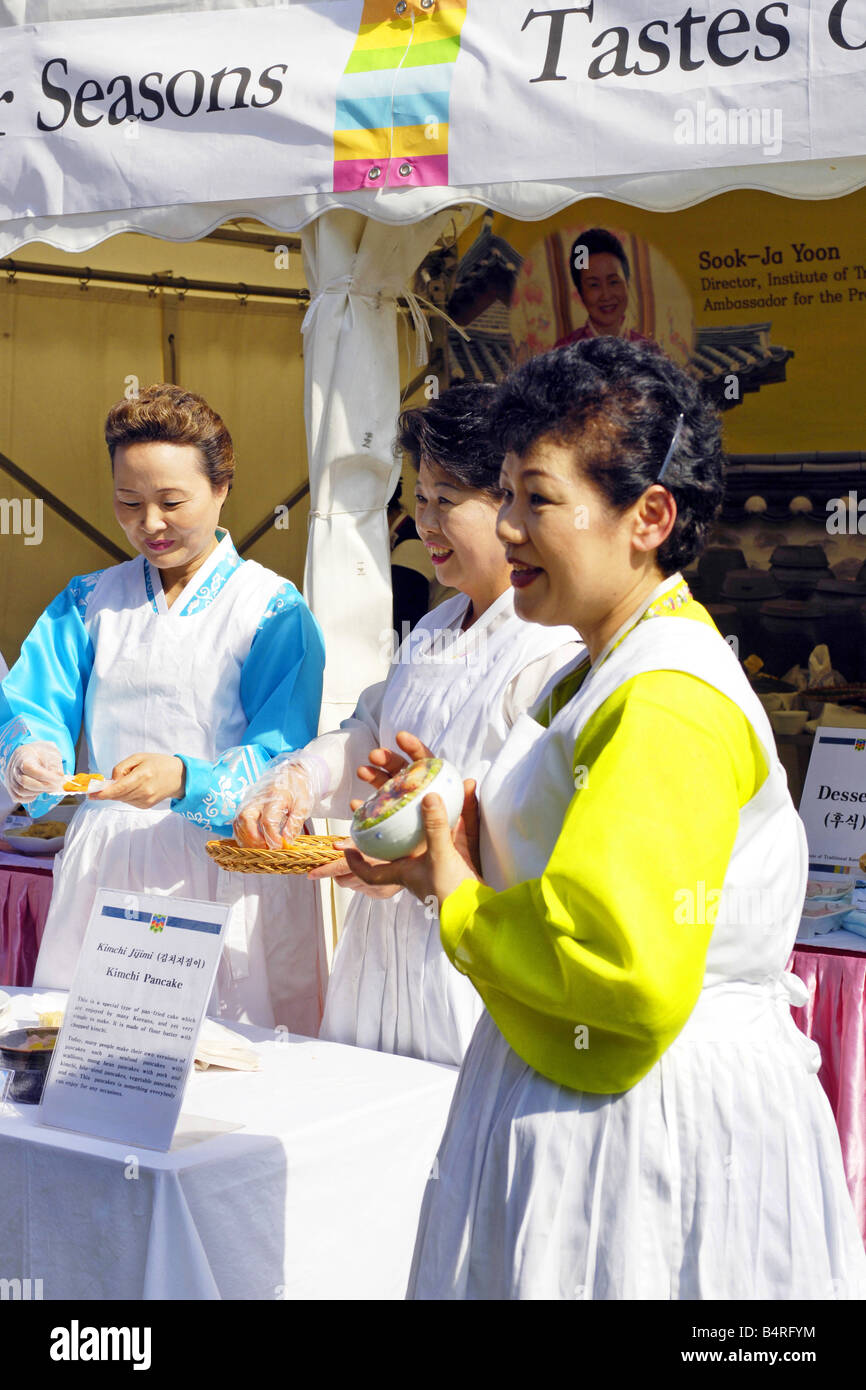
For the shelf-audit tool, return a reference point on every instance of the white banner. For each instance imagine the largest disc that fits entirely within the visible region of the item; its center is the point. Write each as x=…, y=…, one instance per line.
x=296, y=99
x=189, y=108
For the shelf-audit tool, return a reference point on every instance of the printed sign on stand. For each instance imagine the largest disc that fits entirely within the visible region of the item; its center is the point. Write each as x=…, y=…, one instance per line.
x=140, y=992
x=833, y=804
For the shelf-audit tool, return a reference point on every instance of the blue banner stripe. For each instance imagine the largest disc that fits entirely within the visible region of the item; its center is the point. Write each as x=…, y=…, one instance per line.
x=380, y=113
x=848, y=742
x=385, y=82
x=185, y=923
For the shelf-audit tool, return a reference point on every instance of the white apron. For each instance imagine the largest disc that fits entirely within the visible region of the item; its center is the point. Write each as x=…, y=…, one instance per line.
x=719, y=1175
x=392, y=988
x=166, y=683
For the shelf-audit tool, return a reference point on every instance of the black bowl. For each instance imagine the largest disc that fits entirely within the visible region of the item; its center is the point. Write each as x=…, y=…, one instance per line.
x=30, y=1067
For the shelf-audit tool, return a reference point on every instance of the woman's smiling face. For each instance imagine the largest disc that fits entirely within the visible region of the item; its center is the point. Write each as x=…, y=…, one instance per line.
x=457, y=524
x=574, y=559
x=604, y=291
x=164, y=501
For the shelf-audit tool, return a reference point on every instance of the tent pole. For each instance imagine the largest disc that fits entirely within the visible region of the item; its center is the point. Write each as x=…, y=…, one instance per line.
x=121, y=277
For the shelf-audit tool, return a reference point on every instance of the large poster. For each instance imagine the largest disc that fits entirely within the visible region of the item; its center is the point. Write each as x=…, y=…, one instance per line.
x=99, y=114
x=772, y=290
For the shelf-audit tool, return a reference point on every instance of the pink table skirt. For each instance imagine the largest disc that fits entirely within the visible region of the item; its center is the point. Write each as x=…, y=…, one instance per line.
x=24, y=901
x=835, y=1017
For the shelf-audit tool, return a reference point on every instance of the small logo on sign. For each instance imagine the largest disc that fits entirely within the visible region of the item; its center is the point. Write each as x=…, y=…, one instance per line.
x=859, y=745
x=157, y=922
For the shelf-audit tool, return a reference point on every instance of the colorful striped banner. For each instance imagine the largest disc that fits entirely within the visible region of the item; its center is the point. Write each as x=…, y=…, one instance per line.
x=392, y=110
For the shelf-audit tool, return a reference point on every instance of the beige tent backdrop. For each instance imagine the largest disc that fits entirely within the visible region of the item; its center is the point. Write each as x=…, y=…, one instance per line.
x=68, y=350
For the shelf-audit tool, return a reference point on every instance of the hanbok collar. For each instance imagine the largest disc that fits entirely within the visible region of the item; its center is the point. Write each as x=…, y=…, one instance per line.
x=666, y=597
x=203, y=586
x=468, y=638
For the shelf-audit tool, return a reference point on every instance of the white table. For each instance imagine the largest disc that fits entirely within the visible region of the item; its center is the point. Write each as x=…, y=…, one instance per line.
x=316, y=1196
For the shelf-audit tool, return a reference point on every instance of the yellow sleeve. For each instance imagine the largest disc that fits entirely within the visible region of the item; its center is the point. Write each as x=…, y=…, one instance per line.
x=591, y=971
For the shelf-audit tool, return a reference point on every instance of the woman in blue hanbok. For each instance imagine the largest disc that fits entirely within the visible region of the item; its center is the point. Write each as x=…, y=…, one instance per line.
x=189, y=669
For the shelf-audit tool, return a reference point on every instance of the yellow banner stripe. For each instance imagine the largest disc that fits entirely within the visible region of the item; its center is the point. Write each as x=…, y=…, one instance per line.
x=429, y=29
x=409, y=142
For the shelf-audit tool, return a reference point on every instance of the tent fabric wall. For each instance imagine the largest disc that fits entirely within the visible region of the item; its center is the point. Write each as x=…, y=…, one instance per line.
x=68, y=354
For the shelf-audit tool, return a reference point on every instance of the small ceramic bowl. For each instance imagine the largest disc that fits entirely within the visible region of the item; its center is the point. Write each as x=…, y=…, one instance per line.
x=27, y=1052
x=771, y=702
x=389, y=824
x=824, y=917
x=789, y=721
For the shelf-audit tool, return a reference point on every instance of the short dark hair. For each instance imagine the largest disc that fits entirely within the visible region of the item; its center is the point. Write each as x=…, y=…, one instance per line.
x=596, y=242
x=453, y=432
x=167, y=414
x=617, y=403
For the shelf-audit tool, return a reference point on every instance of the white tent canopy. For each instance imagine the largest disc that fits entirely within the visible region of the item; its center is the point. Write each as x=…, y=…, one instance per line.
x=361, y=249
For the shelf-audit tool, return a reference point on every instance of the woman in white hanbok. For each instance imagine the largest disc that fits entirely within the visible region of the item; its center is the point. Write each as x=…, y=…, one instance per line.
x=637, y=1115
x=460, y=679
x=189, y=669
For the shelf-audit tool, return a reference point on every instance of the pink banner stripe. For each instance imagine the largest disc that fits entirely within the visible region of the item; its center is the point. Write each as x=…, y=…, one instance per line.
x=352, y=174
x=430, y=171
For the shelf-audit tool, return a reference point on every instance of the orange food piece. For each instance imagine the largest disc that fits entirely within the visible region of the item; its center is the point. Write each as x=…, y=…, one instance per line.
x=81, y=781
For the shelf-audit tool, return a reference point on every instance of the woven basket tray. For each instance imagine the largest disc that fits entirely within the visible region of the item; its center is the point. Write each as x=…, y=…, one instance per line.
x=306, y=853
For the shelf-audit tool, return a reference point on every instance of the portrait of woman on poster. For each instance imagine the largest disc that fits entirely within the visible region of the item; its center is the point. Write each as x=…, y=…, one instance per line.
x=601, y=275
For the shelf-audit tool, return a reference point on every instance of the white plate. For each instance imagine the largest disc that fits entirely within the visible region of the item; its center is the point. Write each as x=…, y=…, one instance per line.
x=5, y=1006
x=96, y=785
x=29, y=844
x=821, y=922
x=829, y=889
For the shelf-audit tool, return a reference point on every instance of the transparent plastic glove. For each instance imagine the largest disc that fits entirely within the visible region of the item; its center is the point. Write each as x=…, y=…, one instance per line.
x=33, y=769
x=273, y=812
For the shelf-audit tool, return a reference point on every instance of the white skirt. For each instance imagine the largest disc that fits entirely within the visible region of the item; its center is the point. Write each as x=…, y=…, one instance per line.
x=392, y=987
x=718, y=1176
x=273, y=967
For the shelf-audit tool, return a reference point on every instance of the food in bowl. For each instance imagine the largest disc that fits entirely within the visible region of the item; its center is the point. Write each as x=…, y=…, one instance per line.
x=389, y=824
x=27, y=1052
x=43, y=830
x=829, y=889
x=820, y=918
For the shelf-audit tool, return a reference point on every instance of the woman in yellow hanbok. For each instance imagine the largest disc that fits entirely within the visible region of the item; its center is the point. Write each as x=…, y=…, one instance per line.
x=637, y=1115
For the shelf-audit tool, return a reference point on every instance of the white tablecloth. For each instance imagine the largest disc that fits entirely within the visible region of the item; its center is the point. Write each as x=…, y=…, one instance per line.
x=316, y=1197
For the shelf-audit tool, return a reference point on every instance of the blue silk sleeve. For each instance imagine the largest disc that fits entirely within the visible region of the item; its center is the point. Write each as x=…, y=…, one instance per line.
x=42, y=698
x=281, y=693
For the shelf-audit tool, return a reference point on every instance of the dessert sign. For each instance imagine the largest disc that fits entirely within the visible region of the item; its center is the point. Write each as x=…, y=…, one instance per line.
x=833, y=804
x=140, y=992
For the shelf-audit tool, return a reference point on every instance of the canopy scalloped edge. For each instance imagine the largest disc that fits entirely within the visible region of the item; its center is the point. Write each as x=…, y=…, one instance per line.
x=662, y=192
